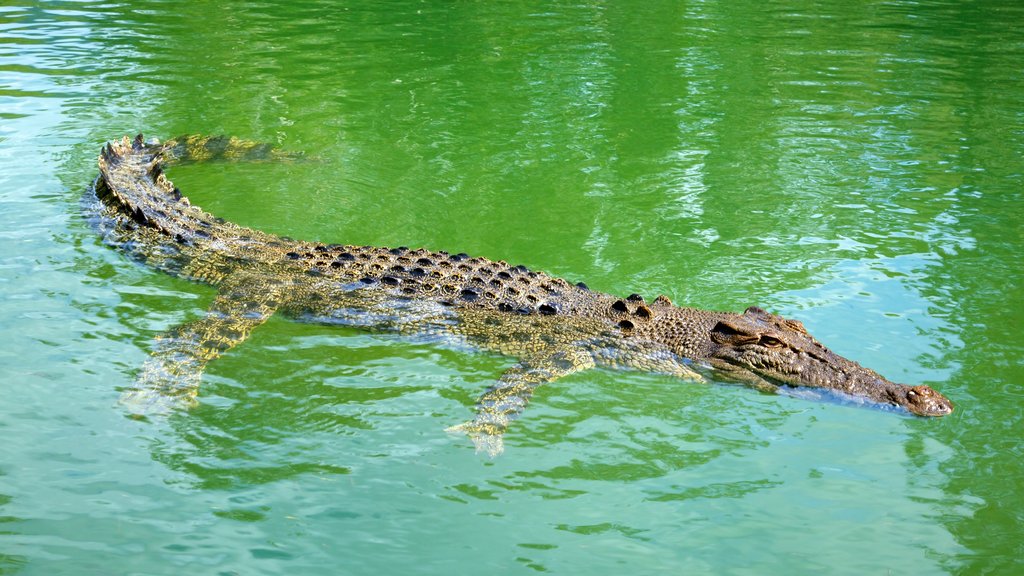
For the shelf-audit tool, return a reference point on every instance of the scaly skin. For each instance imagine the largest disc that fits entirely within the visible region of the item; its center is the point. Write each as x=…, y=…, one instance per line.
x=554, y=328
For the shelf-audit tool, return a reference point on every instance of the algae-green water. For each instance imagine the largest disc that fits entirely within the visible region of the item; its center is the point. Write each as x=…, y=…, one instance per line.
x=855, y=165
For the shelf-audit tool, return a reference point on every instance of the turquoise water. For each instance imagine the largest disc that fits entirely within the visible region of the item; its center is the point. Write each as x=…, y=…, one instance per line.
x=858, y=167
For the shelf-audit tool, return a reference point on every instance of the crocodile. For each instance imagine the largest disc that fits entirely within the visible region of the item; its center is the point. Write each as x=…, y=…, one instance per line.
x=553, y=327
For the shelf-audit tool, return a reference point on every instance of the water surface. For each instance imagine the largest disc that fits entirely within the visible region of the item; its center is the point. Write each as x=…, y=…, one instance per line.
x=854, y=166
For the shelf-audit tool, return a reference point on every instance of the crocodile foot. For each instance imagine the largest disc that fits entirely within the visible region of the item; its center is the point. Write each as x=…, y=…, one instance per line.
x=486, y=436
x=143, y=402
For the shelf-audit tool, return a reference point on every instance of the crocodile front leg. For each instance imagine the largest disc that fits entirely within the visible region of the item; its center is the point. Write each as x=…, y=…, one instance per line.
x=503, y=402
x=169, y=379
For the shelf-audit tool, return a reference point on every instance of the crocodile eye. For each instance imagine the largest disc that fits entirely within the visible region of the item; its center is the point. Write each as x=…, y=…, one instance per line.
x=771, y=342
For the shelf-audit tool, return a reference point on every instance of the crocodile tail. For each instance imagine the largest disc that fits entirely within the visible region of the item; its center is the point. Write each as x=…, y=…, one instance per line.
x=199, y=148
x=132, y=183
x=131, y=174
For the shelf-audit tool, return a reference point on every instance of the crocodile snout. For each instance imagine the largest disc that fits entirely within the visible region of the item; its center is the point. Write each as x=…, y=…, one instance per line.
x=923, y=401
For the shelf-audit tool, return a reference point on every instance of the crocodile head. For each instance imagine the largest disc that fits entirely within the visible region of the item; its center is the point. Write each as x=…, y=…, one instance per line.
x=763, y=348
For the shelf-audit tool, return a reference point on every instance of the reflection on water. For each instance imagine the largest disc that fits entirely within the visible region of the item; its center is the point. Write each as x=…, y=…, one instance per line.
x=856, y=166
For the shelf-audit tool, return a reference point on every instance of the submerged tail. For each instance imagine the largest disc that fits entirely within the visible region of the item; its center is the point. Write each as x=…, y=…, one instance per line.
x=200, y=148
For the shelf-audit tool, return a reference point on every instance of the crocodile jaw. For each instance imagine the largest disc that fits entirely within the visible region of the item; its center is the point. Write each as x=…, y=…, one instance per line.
x=919, y=400
x=767, y=350
x=923, y=401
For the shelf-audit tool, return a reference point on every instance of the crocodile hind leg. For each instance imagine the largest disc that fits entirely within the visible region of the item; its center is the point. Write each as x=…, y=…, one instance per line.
x=170, y=378
x=503, y=402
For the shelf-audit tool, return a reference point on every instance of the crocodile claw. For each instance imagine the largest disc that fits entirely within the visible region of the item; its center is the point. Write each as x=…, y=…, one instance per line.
x=143, y=402
x=487, y=437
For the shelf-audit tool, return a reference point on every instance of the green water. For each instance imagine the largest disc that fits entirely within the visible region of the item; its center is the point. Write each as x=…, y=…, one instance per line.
x=856, y=165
